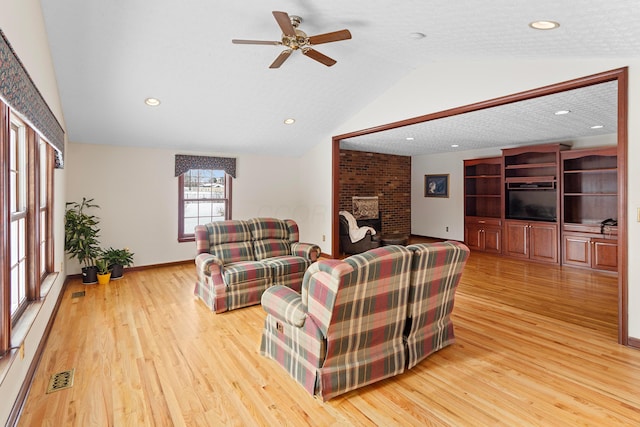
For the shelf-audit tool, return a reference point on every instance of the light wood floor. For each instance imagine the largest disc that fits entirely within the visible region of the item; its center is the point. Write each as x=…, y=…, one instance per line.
x=536, y=345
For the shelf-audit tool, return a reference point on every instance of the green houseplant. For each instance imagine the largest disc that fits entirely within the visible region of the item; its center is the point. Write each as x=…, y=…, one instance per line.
x=104, y=272
x=117, y=260
x=81, y=237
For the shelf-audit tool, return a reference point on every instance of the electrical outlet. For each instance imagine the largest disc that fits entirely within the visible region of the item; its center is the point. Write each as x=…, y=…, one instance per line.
x=21, y=351
x=447, y=229
x=638, y=214
x=325, y=237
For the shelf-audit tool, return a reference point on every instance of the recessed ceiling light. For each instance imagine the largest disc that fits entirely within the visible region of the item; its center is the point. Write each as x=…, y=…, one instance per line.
x=454, y=146
x=544, y=25
x=417, y=36
x=597, y=127
x=410, y=138
x=152, y=102
x=561, y=112
x=289, y=121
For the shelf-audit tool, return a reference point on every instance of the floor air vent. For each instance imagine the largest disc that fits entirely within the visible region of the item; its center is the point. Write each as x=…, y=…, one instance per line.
x=60, y=381
x=77, y=294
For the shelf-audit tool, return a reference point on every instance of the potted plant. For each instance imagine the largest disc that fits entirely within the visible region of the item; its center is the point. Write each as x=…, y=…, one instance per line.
x=104, y=272
x=117, y=260
x=81, y=237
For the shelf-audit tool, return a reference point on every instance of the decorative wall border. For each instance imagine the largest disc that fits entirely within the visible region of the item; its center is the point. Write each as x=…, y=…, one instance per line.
x=21, y=94
x=185, y=162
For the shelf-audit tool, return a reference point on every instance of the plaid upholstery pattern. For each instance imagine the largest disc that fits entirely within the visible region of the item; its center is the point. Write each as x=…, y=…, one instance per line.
x=268, y=228
x=436, y=272
x=292, y=228
x=356, y=313
x=306, y=250
x=237, y=260
x=228, y=232
x=269, y=248
x=288, y=270
x=285, y=304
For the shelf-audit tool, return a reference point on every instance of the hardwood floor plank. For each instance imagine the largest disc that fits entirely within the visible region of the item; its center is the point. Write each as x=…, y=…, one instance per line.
x=536, y=345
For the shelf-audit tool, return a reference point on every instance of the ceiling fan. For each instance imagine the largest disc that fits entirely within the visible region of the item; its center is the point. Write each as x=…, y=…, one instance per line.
x=295, y=39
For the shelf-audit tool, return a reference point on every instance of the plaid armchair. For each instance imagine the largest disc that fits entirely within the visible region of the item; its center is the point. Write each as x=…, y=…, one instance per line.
x=435, y=274
x=345, y=330
x=237, y=260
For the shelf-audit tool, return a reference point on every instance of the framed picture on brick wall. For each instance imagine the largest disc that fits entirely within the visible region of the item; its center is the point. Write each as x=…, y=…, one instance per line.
x=436, y=185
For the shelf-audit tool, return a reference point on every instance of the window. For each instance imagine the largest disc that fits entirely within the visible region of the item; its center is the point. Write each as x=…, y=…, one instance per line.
x=18, y=205
x=28, y=211
x=204, y=196
x=46, y=215
x=31, y=145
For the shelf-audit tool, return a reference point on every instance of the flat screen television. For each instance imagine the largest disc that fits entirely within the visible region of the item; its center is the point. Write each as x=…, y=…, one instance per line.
x=531, y=205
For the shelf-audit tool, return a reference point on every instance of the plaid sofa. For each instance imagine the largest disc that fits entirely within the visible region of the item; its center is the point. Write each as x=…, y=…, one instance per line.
x=344, y=330
x=365, y=318
x=237, y=260
x=435, y=274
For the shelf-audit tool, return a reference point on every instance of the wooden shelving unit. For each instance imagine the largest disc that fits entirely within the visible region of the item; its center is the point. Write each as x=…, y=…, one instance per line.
x=589, y=198
x=483, y=204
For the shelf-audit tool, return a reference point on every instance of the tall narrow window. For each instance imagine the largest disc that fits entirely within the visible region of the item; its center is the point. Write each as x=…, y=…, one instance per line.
x=43, y=244
x=18, y=230
x=205, y=196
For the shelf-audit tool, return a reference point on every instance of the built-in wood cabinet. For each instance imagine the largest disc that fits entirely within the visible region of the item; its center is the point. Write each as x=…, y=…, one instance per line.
x=533, y=240
x=590, y=208
x=483, y=204
x=532, y=200
x=484, y=235
x=545, y=203
x=585, y=250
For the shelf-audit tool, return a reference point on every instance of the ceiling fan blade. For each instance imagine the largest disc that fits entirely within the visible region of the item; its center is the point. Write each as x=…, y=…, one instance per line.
x=236, y=41
x=285, y=23
x=284, y=55
x=314, y=54
x=330, y=37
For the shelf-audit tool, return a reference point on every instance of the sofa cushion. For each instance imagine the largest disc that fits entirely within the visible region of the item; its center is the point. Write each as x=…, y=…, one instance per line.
x=234, y=252
x=268, y=228
x=286, y=265
x=228, y=232
x=246, y=271
x=269, y=248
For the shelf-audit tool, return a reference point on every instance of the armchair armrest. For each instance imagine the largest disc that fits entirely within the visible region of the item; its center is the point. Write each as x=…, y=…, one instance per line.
x=207, y=264
x=307, y=250
x=284, y=304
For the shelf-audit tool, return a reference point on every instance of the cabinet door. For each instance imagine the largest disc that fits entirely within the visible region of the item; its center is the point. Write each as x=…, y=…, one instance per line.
x=543, y=244
x=605, y=254
x=577, y=250
x=492, y=239
x=517, y=239
x=473, y=236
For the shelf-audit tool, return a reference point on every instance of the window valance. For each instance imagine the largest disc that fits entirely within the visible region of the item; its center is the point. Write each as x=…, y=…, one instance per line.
x=184, y=163
x=21, y=94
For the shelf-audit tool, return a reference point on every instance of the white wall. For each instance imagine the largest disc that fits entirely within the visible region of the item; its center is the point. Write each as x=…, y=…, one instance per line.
x=441, y=86
x=138, y=196
x=23, y=25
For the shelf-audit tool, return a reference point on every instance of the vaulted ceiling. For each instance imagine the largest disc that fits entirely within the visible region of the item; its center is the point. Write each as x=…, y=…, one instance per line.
x=110, y=56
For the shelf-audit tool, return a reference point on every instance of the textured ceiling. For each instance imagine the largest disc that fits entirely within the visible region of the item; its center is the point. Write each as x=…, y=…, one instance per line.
x=520, y=123
x=219, y=97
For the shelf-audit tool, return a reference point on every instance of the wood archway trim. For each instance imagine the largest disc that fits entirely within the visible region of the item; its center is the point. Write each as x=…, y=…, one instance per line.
x=620, y=75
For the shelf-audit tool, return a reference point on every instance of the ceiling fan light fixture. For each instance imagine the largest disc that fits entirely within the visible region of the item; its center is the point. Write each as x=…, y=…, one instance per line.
x=152, y=102
x=544, y=25
x=289, y=121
